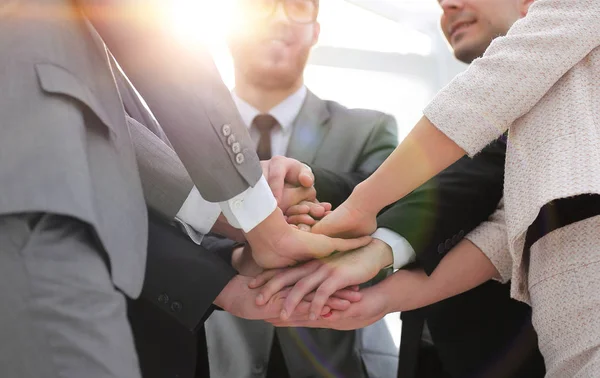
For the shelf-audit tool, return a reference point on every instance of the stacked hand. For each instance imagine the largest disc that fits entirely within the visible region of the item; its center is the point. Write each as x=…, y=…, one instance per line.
x=324, y=276
x=276, y=244
x=326, y=285
x=238, y=298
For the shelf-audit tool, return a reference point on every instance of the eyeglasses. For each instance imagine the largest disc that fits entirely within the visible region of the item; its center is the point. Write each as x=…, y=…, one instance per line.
x=298, y=11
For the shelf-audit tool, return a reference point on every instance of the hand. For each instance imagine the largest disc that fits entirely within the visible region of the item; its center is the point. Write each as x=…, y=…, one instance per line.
x=293, y=195
x=353, y=218
x=244, y=263
x=276, y=244
x=299, y=178
x=238, y=299
x=307, y=212
x=326, y=276
x=372, y=307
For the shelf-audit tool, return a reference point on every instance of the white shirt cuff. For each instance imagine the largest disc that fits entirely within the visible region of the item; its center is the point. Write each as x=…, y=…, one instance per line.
x=198, y=213
x=403, y=252
x=249, y=208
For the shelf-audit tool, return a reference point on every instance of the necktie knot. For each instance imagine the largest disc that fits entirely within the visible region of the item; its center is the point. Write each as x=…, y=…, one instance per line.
x=265, y=122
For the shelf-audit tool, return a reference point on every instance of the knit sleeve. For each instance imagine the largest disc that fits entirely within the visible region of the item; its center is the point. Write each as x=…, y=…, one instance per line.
x=491, y=238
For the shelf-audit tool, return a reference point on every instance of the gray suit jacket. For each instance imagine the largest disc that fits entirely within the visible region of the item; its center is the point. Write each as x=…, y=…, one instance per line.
x=64, y=142
x=329, y=136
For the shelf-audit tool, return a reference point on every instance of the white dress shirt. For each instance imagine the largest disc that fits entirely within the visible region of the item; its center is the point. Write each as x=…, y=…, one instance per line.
x=285, y=113
x=255, y=202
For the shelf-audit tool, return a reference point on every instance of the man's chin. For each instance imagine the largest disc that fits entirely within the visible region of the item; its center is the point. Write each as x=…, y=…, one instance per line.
x=467, y=53
x=276, y=78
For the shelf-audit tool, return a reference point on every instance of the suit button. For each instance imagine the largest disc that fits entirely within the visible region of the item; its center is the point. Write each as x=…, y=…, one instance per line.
x=441, y=249
x=239, y=158
x=448, y=244
x=236, y=148
x=461, y=234
x=176, y=306
x=258, y=369
x=231, y=140
x=455, y=240
x=163, y=298
x=226, y=130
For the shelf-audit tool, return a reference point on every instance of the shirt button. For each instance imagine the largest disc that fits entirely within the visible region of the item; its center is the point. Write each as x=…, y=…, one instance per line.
x=239, y=158
x=441, y=248
x=236, y=148
x=163, y=298
x=226, y=130
x=461, y=234
x=231, y=140
x=237, y=204
x=176, y=307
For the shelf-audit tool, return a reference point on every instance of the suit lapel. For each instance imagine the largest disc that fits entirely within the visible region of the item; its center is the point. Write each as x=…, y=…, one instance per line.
x=309, y=130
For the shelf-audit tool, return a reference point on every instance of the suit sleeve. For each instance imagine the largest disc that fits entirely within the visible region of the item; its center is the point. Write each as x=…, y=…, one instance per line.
x=437, y=215
x=182, y=278
x=335, y=187
x=183, y=88
x=156, y=159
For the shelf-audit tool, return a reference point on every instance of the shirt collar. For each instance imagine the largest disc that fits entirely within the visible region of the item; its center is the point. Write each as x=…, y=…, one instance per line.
x=285, y=112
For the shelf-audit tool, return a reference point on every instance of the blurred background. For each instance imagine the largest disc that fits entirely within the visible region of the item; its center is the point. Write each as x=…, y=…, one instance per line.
x=387, y=55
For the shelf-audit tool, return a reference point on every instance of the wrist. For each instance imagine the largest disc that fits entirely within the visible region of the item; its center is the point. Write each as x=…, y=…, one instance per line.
x=412, y=285
x=222, y=300
x=237, y=258
x=362, y=195
x=269, y=231
x=384, y=254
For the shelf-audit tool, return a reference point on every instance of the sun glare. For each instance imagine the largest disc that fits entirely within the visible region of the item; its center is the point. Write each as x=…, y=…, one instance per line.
x=201, y=21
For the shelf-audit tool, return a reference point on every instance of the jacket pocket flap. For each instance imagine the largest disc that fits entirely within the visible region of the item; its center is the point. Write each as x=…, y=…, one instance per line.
x=57, y=80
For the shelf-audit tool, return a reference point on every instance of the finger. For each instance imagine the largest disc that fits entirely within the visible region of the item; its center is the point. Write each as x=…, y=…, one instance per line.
x=302, y=310
x=316, y=210
x=343, y=245
x=302, y=219
x=299, y=321
x=353, y=288
x=332, y=223
x=263, y=277
x=304, y=227
x=306, y=178
x=294, y=226
x=301, y=208
x=327, y=206
x=295, y=195
x=302, y=288
x=323, y=294
x=283, y=279
x=349, y=295
x=278, y=168
x=336, y=304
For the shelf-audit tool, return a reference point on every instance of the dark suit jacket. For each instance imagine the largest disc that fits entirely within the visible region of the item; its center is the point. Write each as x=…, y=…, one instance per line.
x=472, y=332
x=182, y=281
